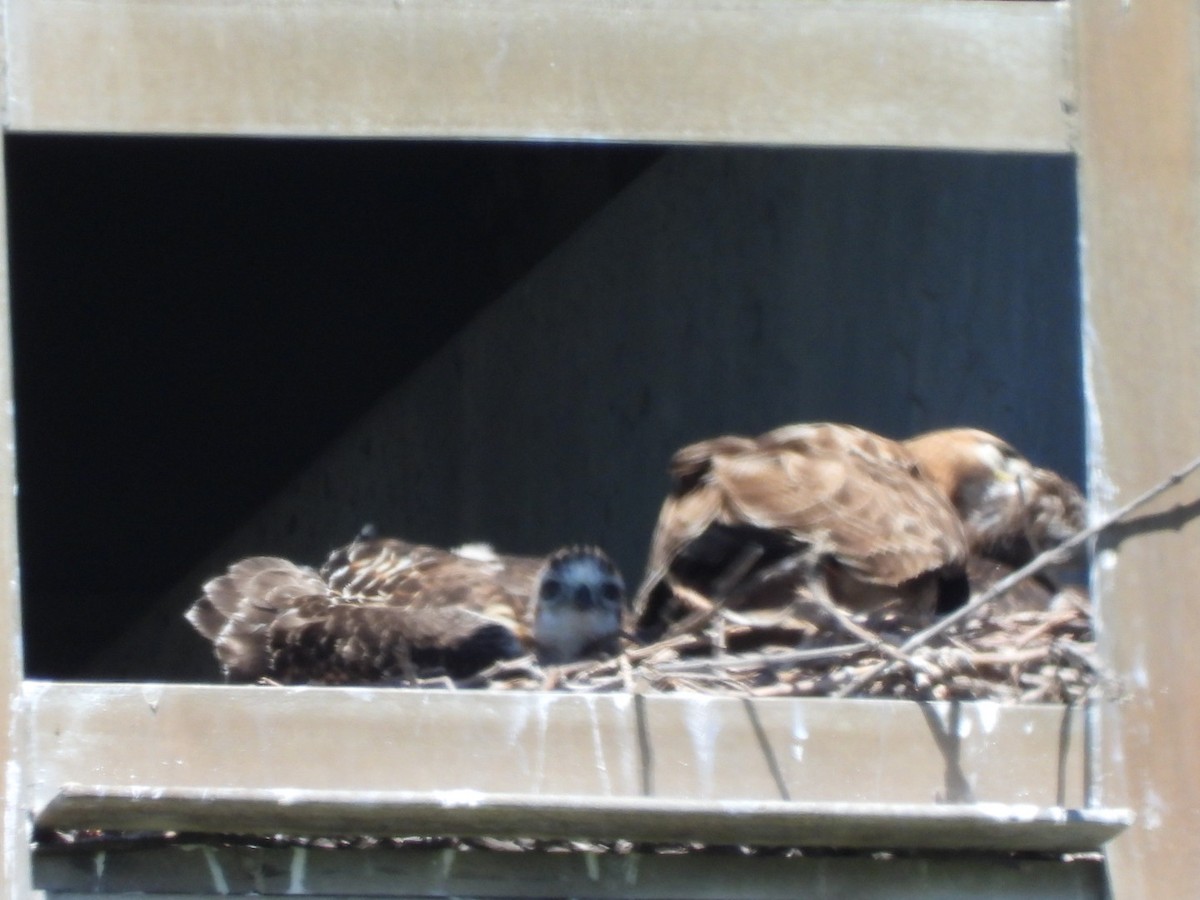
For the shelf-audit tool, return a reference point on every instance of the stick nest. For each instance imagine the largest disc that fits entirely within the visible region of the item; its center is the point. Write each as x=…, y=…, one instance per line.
x=1011, y=656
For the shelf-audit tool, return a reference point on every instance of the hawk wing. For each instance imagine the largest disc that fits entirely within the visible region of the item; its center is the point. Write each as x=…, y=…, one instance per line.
x=416, y=576
x=1054, y=510
x=326, y=640
x=847, y=497
x=268, y=617
x=237, y=609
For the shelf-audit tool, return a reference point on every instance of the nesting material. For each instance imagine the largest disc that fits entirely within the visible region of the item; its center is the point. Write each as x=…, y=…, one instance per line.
x=996, y=653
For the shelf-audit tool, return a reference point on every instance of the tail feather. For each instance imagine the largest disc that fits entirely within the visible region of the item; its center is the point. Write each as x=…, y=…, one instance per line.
x=269, y=617
x=206, y=618
x=237, y=609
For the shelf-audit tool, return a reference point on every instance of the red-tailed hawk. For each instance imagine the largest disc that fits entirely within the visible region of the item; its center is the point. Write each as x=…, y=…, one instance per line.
x=1011, y=509
x=753, y=521
x=384, y=610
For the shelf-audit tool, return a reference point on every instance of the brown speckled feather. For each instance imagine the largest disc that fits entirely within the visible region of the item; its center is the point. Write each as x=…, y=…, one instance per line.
x=417, y=576
x=1011, y=509
x=325, y=640
x=855, y=501
x=270, y=618
x=382, y=610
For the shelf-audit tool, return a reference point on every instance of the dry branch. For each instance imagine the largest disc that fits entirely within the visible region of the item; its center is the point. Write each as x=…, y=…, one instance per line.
x=1038, y=564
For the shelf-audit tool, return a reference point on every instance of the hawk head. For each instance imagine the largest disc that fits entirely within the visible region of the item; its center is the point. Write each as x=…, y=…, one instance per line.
x=1012, y=510
x=578, y=601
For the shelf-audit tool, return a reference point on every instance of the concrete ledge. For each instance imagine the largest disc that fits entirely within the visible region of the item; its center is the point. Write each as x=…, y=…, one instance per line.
x=650, y=768
x=922, y=73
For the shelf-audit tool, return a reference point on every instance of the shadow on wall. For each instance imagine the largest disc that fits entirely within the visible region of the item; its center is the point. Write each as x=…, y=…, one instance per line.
x=724, y=291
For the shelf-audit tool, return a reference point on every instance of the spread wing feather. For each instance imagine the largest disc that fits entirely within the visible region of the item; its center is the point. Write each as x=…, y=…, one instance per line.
x=383, y=611
x=416, y=576
x=843, y=494
x=326, y=641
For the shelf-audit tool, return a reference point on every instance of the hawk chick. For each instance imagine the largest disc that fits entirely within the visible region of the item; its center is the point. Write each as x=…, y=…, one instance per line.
x=387, y=610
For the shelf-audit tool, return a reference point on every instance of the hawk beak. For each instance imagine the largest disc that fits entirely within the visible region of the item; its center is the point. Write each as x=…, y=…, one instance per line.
x=583, y=597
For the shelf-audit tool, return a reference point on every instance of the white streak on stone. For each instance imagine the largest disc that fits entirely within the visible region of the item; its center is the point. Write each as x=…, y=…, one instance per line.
x=298, y=870
x=220, y=885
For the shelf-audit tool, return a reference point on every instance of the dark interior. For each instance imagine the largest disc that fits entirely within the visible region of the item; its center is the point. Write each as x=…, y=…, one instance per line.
x=226, y=307
x=195, y=319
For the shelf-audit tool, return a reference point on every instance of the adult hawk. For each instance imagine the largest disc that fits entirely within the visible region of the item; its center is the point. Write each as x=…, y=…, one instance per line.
x=1011, y=509
x=385, y=610
x=873, y=522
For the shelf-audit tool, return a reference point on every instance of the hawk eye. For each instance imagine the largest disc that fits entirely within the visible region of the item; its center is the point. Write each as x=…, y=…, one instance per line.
x=610, y=592
x=551, y=588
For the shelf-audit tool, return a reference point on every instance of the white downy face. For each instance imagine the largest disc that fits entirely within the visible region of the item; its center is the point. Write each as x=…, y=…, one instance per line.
x=578, y=605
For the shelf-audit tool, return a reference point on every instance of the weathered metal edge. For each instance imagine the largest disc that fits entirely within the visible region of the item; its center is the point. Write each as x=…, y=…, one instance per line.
x=681, y=747
x=989, y=826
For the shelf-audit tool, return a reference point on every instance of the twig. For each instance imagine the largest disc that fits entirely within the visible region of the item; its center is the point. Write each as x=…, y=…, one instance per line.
x=1007, y=583
x=675, y=642
x=753, y=660
x=741, y=566
x=775, y=571
x=701, y=610
x=1020, y=657
x=1064, y=618
x=821, y=596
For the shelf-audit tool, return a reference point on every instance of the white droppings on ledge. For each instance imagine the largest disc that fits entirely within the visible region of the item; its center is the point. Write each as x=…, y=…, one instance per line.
x=289, y=797
x=1139, y=678
x=12, y=811
x=799, y=732
x=298, y=870
x=515, y=724
x=543, y=702
x=591, y=861
x=988, y=712
x=598, y=745
x=152, y=694
x=449, y=855
x=1100, y=488
x=1020, y=812
x=1152, y=810
x=220, y=885
x=631, y=868
x=703, y=728
x=460, y=797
